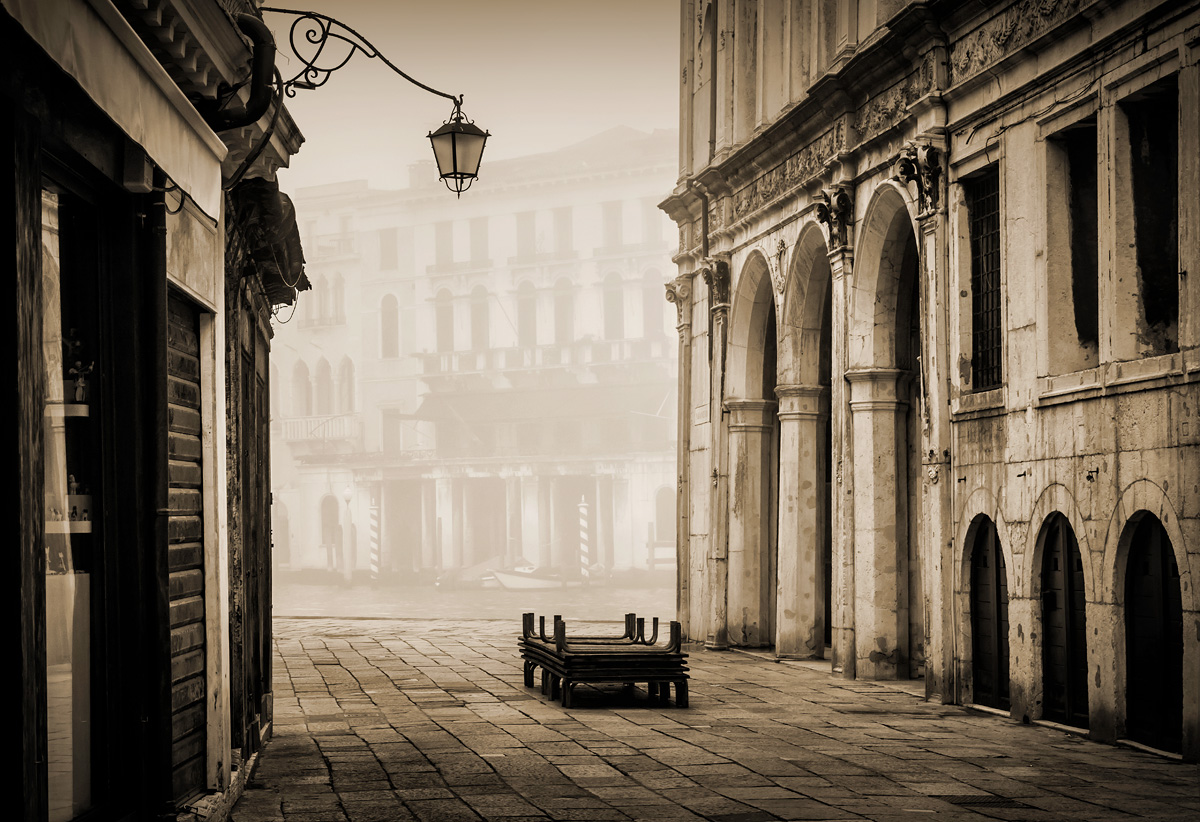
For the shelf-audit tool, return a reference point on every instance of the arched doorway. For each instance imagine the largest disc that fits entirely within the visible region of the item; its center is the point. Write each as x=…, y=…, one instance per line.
x=989, y=618
x=1153, y=638
x=1064, y=626
x=753, y=458
x=803, y=611
x=886, y=441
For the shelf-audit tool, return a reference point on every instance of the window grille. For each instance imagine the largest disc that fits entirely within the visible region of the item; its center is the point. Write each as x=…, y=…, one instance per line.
x=983, y=213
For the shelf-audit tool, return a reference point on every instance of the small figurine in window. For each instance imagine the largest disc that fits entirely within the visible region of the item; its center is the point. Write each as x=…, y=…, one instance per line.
x=86, y=516
x=74, y=513
x=80, y=373
x=72, y=485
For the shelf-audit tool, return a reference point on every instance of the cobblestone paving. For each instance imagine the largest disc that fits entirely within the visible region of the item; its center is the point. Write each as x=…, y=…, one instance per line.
x=429, y=720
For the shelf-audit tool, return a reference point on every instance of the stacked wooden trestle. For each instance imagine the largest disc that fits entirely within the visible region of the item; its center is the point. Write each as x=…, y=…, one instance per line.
x=627, y=659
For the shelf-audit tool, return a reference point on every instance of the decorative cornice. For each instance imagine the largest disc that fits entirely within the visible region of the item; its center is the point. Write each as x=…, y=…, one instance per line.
x=835, y=208
x=798, y=169
x=884, y=110
x=921, y=163
x=1015, y=27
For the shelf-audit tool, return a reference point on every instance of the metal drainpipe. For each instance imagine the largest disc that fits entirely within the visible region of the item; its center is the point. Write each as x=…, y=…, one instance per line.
x=157, y=569
x=262, y=72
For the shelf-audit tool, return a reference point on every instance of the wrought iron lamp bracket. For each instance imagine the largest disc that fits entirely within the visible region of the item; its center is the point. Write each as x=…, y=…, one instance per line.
x=312, y=33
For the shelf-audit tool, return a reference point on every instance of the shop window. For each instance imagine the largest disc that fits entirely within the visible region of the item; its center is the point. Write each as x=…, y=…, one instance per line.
x=72, y=455
x=983, y=215
x=389, y=327
x=1152, y=119
x=1072, y=229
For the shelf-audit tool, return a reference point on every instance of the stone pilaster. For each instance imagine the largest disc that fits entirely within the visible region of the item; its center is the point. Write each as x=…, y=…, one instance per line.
x=803, y=526
x=881, y=647
x=751, y=435
x=716, y=277
x=679, y=292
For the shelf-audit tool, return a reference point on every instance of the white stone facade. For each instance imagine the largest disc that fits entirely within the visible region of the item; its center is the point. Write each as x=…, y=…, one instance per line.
x=940, y=351
x=471, y=369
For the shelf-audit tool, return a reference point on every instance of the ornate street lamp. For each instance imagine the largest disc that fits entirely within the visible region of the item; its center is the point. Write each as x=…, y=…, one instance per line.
x=457, y=145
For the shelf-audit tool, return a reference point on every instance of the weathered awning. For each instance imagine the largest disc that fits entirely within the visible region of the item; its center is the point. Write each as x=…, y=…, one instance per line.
x=93, y=43
x=269, y=219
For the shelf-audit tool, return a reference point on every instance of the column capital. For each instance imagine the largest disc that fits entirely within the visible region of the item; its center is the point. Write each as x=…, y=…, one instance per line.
x=750, y=414
x=877, y=388
x=920, y=162
x=803, y=401
x=835, y=208
x=679, y=292
x=716, y=276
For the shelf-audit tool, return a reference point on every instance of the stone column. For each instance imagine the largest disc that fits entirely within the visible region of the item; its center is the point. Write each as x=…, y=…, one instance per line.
x=512, y=514
x=936, y=549
x=632, y=552
x=880, y=545
x=429, y=533
x=841, y=263
x=716, y=276
x=679, y=292
x=750, y=582
x=800, y=609
x=531, y=525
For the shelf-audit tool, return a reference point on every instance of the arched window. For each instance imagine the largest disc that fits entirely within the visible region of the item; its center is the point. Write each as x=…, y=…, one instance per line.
x=346, y=386
x=314, y=300
x=564, y=312
x=301, y=391
x=389, y=327
x=480, y=325
x=443, y=316
x=989, y=618
x=324, y=388
x=526, y=315
x=614, y=308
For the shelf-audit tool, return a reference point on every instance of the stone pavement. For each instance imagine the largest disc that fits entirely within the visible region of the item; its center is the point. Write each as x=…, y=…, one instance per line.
x=429, y=720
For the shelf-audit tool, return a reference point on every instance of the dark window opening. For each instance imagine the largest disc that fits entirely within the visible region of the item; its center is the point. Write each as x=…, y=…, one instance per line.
x=983, y=213
x=1080, y=147
x=1153, y=119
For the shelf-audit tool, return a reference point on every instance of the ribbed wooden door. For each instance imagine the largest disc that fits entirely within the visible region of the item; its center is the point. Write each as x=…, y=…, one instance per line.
x=989, y=619
x=1064, y=627
x=185, y=560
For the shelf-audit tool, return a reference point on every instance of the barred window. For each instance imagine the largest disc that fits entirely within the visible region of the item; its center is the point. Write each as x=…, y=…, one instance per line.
x=983, y=213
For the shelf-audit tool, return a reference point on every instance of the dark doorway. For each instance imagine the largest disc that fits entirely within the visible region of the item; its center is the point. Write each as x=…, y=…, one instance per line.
x=1153, y=639
x=1064, y=626
x=989, y=619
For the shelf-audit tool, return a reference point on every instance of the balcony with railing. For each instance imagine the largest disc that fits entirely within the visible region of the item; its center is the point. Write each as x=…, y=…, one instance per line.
x=329, y=428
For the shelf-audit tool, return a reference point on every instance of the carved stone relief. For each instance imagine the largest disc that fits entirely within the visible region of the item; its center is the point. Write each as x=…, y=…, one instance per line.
x=716, y=276
x=1015, y=27
x=796, y=170
x=882, y=111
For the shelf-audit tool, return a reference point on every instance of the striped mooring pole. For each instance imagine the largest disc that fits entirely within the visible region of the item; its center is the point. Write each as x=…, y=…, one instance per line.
x=374, y=542
x=584, y=559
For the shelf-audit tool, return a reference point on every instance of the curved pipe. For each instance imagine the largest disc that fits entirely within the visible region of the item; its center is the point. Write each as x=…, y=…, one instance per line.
x=262, y=72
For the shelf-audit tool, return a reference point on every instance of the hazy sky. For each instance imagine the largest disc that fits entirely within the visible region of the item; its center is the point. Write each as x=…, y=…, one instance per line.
x=537, y=74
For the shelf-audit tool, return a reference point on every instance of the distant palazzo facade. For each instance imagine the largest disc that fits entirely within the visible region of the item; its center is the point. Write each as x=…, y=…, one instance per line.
x=491, y=379
x=938, y=396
